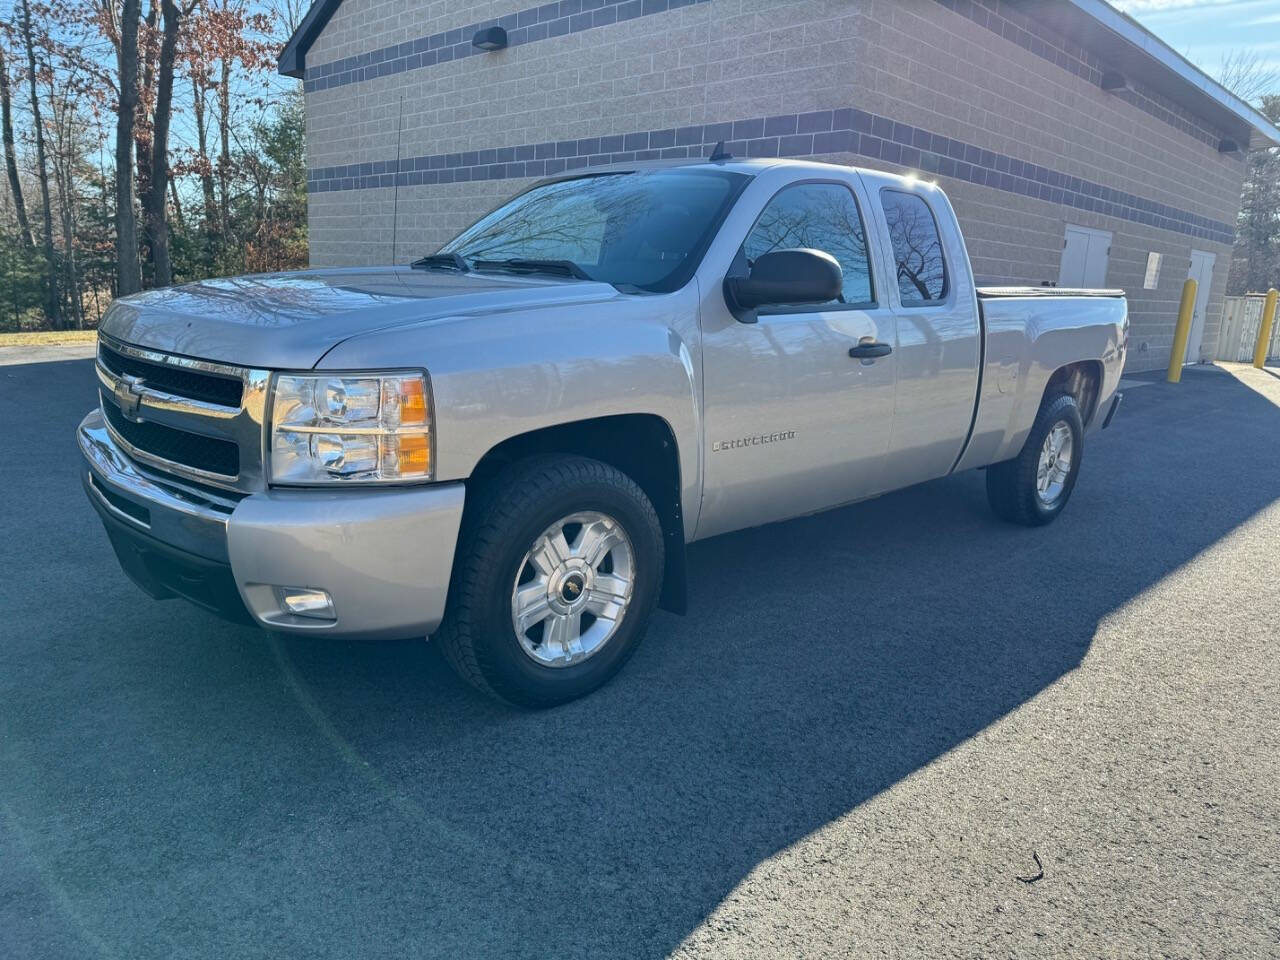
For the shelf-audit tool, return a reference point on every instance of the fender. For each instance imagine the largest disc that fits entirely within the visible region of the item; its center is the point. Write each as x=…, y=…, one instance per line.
x=497, y=377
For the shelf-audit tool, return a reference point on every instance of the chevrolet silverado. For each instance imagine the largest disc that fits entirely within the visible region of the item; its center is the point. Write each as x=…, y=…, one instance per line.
x=508, y=444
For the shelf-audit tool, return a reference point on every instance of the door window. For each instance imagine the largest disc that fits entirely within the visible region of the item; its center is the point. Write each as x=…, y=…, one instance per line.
x=819, y=216
x=917, y=248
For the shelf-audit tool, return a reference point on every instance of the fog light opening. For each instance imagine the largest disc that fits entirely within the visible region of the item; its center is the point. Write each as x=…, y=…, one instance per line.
x=307, y=602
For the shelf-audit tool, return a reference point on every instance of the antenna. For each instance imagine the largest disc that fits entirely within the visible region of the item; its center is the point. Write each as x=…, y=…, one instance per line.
x=720, y=153
x=395, y=193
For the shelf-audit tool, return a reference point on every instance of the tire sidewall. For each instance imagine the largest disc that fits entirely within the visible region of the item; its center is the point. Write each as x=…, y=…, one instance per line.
x=507, y=667
x=1062, y=409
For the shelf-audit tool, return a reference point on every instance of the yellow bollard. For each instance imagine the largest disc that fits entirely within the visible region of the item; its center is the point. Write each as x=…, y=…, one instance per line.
x=1264, y=329
x=1182, y=331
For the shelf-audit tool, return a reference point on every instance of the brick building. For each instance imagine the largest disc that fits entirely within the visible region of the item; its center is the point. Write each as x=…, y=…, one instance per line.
x=1076, y=146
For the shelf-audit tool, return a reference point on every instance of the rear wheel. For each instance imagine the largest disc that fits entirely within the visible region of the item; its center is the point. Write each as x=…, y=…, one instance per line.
x=1034, y=487
x=558, y=571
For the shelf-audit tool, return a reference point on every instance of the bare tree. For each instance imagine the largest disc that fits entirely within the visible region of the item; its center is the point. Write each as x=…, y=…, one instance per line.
x=289, y=13
x=177, y=203
x=148, y=54
x=67, y=142
x=154, y=201
x=52, y=305
x=112, y=75
x=917, y=248
x=203, y=164
x=819, y=217
x=221, y=44
x=10, y=156
x=224, y=138
x=128, y=271
x=1246, y=74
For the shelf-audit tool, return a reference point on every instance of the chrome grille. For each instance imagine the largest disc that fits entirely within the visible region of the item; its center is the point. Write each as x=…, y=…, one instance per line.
x=180, y=381
x=192, y=418
x=209, y=454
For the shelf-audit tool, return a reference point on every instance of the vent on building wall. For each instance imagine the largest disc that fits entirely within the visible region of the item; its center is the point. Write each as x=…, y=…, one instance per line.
x=490, y=38
x=1113, y=80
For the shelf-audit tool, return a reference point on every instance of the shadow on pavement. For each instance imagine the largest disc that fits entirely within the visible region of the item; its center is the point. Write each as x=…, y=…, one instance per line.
x=172, y=785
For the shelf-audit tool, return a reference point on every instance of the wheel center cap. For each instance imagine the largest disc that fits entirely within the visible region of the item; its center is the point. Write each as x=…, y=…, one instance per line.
x=572, y=587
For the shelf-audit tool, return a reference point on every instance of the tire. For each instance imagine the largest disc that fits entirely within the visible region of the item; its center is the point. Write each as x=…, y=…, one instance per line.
x=1017, y=490
x=504, y=548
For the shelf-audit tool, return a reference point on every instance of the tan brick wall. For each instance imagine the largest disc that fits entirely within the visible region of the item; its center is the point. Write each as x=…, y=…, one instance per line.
x=937, y=70
x=360, y=25
x=650, y=73
x=912, y=61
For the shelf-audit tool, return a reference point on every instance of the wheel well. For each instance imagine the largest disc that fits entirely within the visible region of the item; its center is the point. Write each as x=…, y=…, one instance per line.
x=640, y=445
x=1082, y=380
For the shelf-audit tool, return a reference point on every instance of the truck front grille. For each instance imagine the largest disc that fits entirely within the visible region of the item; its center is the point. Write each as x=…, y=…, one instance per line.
x=179, y=381
x=199, y=420
x=177, y=446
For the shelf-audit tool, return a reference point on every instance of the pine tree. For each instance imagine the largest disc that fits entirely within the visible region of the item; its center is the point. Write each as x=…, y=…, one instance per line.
x=1255, y=261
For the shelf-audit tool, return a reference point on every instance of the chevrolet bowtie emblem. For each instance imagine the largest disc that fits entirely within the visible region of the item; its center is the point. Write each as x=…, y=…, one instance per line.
x=128, y=394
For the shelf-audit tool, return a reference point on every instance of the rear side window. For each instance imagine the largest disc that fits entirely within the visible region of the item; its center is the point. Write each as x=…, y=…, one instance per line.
x=917, y=248
x=819, y=216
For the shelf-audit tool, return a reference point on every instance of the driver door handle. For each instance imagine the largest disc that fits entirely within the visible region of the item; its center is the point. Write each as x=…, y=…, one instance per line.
x=869, y=351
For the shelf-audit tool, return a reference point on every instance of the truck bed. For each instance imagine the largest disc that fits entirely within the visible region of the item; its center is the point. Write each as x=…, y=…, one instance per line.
x=1028, y=333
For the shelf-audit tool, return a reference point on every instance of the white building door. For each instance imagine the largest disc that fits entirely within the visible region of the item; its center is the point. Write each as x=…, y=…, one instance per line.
x=1084, y=257
x=1202, y=273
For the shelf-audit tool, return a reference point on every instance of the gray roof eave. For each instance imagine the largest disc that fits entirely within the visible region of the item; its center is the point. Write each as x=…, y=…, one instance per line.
x=292, y=60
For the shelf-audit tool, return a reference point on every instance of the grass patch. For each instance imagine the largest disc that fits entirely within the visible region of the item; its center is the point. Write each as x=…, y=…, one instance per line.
x=48, y=338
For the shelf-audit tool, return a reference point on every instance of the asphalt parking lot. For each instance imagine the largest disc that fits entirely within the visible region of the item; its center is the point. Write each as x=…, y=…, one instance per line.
x=854, y=744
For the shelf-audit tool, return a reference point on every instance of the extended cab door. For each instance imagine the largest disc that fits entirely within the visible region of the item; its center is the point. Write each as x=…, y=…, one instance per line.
x=793, y=423
x=939, y=337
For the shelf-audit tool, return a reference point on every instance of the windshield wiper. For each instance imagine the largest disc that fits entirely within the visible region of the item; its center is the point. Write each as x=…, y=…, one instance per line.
x=450, y=261
x=561, y=268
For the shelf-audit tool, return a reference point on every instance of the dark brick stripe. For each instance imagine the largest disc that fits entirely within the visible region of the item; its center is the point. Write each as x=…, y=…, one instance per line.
x=1021, y=27
x=793, y=135
x=527, y=26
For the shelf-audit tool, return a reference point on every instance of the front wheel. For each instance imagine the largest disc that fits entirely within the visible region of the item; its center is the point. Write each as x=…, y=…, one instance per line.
x=559, y=568
x=1034, y=487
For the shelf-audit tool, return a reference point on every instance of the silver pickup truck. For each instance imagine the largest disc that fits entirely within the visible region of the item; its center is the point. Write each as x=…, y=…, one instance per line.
x=508, y=444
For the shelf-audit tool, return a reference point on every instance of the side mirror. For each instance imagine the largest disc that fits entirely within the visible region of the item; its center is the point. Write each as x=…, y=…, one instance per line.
x=784, y=276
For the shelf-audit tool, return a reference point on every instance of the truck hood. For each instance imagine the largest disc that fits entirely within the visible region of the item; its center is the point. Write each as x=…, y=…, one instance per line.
x=291, y=320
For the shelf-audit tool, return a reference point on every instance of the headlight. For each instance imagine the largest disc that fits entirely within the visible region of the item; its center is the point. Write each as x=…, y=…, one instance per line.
x=350, y=428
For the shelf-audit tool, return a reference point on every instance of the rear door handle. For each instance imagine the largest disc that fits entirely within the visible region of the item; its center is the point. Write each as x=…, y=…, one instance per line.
x=869, y=351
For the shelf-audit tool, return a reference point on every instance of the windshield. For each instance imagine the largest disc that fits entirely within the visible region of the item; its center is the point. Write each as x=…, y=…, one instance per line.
x=642, y=229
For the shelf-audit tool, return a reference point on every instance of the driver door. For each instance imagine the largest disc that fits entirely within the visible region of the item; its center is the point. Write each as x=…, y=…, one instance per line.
x=794, y=423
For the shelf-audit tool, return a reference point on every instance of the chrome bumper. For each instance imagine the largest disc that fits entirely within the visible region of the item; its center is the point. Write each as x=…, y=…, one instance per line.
x=384, y=556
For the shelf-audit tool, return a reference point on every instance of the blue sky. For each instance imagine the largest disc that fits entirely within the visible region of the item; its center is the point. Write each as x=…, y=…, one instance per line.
x=1204, y=30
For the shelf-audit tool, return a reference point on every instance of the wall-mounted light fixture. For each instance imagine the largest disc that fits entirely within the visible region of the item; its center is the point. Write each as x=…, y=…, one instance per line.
x=1228, y=146
x=1113, y=80
x=490, y=38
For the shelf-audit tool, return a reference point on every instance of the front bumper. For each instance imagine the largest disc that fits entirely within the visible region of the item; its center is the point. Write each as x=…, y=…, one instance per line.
x=384, y=556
